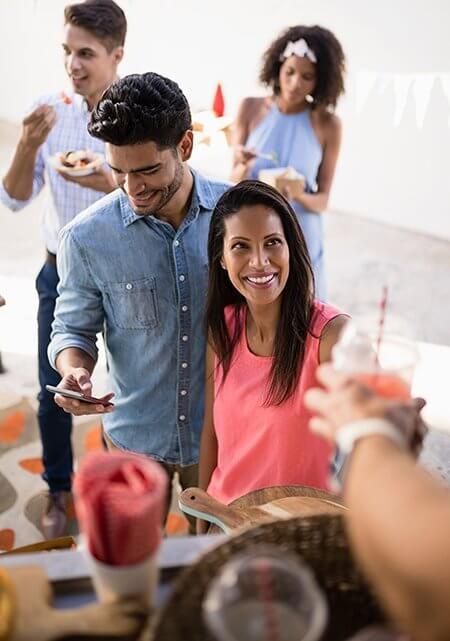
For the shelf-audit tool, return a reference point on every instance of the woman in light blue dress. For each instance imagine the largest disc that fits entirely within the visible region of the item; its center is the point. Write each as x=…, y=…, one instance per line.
x=297, y=126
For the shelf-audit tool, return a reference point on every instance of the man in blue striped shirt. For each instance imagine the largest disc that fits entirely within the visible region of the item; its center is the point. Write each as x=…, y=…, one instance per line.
x=93, y=47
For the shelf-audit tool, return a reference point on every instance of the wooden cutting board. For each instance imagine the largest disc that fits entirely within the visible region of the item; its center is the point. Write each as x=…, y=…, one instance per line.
x=244, y=513
x=36, y=620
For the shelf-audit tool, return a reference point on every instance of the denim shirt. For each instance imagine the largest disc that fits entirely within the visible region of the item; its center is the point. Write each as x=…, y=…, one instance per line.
x=143, y=284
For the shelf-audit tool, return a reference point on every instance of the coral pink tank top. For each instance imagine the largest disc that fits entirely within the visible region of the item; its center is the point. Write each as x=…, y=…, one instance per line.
x=260, y=446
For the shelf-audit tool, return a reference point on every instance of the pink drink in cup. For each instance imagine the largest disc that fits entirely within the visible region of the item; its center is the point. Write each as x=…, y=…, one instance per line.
x=387, y=367
x=387, y=385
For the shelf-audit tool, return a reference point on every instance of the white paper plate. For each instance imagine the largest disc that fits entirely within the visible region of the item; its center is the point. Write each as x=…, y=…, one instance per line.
x=97, y=161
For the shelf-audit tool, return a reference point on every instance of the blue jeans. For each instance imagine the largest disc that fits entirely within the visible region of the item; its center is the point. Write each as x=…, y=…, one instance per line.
x=55, y=425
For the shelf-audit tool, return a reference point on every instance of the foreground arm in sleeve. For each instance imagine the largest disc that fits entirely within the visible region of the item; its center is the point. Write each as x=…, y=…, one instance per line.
x=399, y=516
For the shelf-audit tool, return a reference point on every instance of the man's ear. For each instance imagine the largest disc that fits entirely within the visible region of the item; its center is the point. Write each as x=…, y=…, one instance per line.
x=118, y=54
x=185, y=145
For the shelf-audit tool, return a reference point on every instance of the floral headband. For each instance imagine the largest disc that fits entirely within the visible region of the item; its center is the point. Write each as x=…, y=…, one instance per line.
x=299, y=49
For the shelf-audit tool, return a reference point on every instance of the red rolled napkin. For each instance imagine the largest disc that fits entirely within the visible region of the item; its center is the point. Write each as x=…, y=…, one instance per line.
x=219, y=102
x=119, y=501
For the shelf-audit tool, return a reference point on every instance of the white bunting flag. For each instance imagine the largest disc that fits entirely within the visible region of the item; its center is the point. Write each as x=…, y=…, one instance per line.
x=402, y=83
x=365, y=82
x=417, y=87
x=383, y=81
x=445, y=81
x=422, y=86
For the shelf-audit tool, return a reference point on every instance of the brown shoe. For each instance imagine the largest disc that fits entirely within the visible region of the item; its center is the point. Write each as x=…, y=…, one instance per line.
x=54, y=521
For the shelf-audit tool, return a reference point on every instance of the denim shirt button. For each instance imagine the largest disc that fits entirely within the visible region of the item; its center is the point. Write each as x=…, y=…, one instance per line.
x=129, y=286
x=184, y=308
x=184, y=338
x=183, y=392
x=184, y=365
x=182, y=278
x=176, y=243
x=182, y=417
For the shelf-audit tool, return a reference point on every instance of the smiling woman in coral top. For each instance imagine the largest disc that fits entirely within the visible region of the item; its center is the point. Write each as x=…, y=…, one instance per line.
x=267, y=335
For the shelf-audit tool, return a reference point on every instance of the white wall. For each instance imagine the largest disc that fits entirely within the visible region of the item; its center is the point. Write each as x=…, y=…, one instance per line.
x=396, y=173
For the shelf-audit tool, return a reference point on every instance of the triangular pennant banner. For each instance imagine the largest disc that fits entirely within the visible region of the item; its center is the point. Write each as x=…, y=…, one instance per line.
x=365, y=82
x=384, y=80
x=445, y=81
x=422, y=86
x=402, y=83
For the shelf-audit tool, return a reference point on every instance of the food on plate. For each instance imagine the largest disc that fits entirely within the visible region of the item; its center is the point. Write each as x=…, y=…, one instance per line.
x=62, y=97
x=81, y=162
x=284, y=178
x=76, y=159
x=67, y=100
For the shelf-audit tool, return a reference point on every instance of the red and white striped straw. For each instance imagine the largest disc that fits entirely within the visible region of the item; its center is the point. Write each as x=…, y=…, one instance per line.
x=265, y=588
x=381, y=321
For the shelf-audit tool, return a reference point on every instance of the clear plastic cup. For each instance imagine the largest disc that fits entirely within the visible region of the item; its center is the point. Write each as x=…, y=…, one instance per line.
x=387, y=366
x=265, y=595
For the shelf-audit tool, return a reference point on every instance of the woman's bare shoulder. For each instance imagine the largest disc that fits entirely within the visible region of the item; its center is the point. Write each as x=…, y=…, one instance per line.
x=330, y=335
x=252, y=110
x=327, y=125
x=251, y=106
x=329, y=121
x=325, y=117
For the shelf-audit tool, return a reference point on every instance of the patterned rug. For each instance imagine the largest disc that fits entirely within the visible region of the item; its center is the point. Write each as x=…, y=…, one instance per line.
x=22, y=491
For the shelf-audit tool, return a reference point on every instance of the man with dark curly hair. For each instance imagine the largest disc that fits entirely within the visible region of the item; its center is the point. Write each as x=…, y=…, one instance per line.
x=135, y=265
x=296, y=127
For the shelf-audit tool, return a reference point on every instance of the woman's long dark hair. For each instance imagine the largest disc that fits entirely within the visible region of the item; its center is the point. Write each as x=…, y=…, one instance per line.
x=297, y=297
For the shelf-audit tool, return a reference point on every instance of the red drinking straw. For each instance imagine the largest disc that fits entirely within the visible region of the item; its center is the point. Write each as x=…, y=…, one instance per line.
x=265, y=588
x=383, y=307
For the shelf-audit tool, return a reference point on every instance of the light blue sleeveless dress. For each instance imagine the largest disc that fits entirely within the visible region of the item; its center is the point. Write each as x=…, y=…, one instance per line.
x=293, y=139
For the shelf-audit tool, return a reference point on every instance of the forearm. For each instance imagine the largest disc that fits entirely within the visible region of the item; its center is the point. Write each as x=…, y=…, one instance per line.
x=240, y=171
x=208, y=459
x=392, y=504
x=101, y=181
x=315, y=203
x=71, y=358
x=18, y=181
x=109, y=184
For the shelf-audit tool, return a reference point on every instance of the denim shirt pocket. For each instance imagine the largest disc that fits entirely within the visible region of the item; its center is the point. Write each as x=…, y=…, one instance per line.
x=133, y=304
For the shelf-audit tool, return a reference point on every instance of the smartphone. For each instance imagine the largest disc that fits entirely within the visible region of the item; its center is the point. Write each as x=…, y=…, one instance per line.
x=68, y=393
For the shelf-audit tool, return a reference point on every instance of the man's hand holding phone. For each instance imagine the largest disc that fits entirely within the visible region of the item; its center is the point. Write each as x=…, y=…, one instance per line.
x=79, y=380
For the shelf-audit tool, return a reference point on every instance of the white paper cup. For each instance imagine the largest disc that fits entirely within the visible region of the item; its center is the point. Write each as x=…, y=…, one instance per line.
x=114, y=582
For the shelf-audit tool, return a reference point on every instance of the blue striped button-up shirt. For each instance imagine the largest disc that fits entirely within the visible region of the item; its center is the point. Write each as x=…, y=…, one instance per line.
x=144, y=283
x=66, y=199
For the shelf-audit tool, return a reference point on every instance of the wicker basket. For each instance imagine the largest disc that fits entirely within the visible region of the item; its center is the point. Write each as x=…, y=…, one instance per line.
x=320, y=540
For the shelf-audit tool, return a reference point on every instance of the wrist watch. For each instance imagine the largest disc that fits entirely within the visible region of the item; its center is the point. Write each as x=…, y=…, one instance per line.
x=349, y=434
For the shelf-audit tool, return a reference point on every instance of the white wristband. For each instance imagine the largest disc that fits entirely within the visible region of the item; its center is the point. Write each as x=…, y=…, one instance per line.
x=352, y=432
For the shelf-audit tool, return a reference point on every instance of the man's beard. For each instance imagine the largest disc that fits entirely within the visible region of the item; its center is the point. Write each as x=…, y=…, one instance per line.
x=167, y=193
